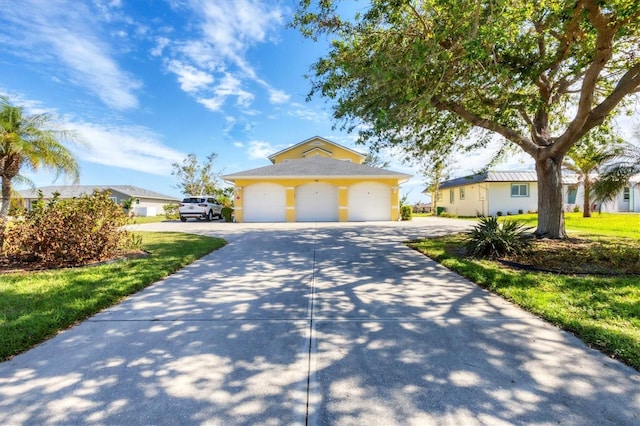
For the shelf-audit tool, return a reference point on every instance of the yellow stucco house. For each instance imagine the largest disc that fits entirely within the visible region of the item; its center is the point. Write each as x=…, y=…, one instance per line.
x=316, y=180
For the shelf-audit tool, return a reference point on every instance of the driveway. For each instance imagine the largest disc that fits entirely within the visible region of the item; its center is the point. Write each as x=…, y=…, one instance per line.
x=316, y=324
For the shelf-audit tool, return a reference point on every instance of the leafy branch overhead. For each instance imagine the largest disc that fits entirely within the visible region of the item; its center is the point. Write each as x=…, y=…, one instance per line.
x=423, y=74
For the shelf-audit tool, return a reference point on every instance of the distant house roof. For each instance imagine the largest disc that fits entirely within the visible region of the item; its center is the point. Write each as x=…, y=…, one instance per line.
x=75, y=191
x=502, y=176
x=315, y=167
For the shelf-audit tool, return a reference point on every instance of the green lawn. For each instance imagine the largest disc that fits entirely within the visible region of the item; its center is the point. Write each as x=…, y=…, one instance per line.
x=613, y=224
x=147, y=219
x=36, y=305
x=604, y=311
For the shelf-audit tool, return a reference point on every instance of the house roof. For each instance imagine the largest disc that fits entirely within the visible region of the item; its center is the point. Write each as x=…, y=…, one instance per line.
x=316, y=167
x=74, y=191
x=272, y=157
x=502, y=176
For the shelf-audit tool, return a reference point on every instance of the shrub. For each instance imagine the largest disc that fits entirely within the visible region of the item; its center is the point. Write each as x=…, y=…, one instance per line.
x=171, y=211
x=406, y=212
x=576, y=209
x=227, y=214
x=499, y=213
x=70, y=232
x=490, y=238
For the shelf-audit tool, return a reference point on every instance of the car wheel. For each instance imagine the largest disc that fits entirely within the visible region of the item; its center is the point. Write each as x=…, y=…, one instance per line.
x=183, y=219
x=210, y=216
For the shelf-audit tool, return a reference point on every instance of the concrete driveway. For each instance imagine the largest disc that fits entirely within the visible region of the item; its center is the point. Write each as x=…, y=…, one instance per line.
x=316, y=324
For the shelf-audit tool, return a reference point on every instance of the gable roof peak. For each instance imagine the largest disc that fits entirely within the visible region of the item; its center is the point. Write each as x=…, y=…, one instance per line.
x=319, y=142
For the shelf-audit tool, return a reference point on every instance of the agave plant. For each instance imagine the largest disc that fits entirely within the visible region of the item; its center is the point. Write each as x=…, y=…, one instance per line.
x=490, y=238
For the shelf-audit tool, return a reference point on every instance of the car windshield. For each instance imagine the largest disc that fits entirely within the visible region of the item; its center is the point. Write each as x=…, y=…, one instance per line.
x=193, y=200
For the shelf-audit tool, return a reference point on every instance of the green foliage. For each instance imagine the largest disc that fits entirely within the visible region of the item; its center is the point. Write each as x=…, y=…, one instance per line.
x=196, y=178
x=406, y=212
x=616, y=173
x=171, y=211
x=127, y=204
x=69, y=232
x=29, y=142
x=424, y=75
x=227, y=213
x=36, y=305
x=490, y=238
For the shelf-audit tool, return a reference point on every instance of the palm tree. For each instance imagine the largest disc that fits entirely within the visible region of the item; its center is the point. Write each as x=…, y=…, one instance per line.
x=616, y=174
x=28, y=141
x=587, y=157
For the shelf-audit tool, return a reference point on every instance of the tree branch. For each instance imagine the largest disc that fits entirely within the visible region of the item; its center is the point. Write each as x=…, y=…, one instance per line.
x=476, y=120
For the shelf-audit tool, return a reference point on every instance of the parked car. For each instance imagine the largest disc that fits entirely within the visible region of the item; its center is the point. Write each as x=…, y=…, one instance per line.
x=200, y=207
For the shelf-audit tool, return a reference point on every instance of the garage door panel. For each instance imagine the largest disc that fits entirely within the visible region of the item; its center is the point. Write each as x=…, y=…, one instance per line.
x=369, y=201
x=316, y=202
x=264, y=202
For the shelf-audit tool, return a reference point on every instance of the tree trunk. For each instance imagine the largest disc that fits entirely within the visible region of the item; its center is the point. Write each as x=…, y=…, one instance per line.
x=550, y=212
x=6, y=199
x=586, y=206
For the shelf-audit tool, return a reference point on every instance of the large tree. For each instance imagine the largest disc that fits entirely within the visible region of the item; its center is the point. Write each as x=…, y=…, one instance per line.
x=424, y=73
x=197, y=178
x=30, y=141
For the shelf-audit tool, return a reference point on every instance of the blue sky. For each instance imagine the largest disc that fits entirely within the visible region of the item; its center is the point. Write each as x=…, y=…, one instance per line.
x=146, y=82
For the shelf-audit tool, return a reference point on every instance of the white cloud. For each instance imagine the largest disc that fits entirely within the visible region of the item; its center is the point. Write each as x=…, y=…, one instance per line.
x=66, y=32
x=301, y=111
x=191, y=79
x=129, y=147
x=260, y=150
x=161, y=43
x=228, y=86
x=225, y=31
x=278, y=96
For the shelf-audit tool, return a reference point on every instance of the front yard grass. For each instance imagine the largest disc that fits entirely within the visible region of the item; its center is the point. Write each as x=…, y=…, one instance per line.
x=611, y=224
x=36, y=305
x=602, y=310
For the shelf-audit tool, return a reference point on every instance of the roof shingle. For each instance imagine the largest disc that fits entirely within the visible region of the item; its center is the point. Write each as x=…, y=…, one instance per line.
x=315, y=166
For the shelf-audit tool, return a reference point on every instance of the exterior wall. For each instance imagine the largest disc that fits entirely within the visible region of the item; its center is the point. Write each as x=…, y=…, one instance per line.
x=500, y=199
x=473, y=203
x=291, y=184
x=489, y=198
x=336, y=152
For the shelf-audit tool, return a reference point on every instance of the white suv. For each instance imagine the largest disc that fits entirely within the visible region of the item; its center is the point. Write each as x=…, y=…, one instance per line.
x=200, y=207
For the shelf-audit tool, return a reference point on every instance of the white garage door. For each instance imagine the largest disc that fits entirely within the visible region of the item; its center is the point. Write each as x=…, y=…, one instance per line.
x=369, y=201
x=316, y=202
x=264, y=202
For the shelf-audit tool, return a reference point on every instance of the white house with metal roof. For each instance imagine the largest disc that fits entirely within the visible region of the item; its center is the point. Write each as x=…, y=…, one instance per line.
x=145, y=202
x=513, y=192
x=316, y=180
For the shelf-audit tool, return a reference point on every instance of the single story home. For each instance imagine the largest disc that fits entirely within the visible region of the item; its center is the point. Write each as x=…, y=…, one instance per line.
x=316, y=180
x=145, y=202
x=510, y=192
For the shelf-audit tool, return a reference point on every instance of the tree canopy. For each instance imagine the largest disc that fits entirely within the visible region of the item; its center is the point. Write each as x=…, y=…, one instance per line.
x=32, y=142
x=424, y=73
x=195, y=178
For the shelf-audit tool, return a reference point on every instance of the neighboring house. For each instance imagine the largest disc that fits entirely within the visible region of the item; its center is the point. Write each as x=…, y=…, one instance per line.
x=510, y=192
x=316, y=180
x=145, y=202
